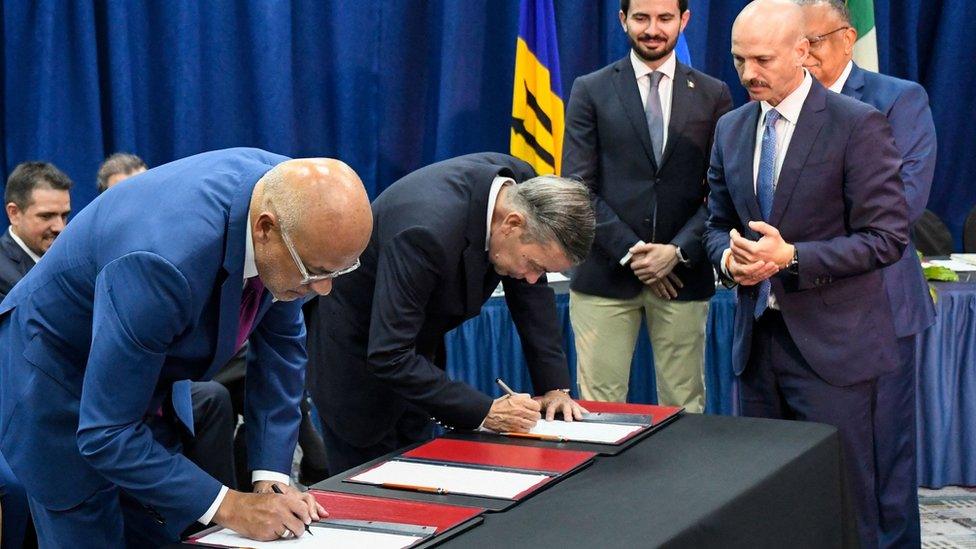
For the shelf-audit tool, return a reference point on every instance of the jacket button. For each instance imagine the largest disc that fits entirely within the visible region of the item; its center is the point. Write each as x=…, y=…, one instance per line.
x=647, y=220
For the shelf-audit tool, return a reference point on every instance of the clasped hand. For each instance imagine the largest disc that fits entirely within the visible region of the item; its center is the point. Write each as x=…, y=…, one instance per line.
x=750, y=262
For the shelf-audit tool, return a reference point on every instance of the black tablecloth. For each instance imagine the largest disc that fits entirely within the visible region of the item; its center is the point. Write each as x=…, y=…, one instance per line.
x=704, y=481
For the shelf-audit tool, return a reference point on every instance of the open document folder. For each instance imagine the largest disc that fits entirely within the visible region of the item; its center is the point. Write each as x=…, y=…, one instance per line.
x=442, y=478
x=333, y=535
x=583, y=431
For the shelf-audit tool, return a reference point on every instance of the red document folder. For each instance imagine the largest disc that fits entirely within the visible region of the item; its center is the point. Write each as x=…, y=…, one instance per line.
x=659, y=414
x=545, y=460
x=447, y=519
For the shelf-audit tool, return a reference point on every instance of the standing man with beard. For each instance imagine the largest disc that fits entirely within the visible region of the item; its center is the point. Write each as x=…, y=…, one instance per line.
x=638, y=133
x=906, y=106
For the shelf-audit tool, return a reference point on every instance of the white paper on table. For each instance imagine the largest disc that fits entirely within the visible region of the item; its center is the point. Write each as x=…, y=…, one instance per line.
x=453, y=479
x=585, y=431
x=965, y=258
x=333, y=538
x=954, y=264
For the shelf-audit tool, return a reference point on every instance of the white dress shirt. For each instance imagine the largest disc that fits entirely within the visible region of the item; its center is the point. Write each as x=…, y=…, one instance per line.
x=250, y=271
x=23, y=246
x=496, y=187
x=789, y=110
x=837, y=86
x=643, y=74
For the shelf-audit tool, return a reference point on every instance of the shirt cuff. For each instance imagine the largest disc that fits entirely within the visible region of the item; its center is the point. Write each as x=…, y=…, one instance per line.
x=725, y=261
x=271, y=476
x=626, y=259
x=207, y=517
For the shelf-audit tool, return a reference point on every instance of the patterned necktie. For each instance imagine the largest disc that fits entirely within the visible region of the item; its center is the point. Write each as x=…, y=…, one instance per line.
x=250, y=303
x=655, y=117
x=765, y=188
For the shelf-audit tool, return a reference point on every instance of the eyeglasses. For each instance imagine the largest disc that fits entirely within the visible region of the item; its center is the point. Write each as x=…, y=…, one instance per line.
x=816, y=41
x=311, y=279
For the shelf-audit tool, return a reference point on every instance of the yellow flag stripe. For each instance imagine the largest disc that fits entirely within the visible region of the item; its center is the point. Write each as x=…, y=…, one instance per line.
x=538, y=116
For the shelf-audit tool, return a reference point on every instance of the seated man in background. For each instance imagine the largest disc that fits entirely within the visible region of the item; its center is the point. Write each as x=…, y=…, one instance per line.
x=37, y=202
x=118, y=167
x=446, y=235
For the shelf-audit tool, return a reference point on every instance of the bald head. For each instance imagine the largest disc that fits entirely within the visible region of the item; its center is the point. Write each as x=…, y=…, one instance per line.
x=769, y=48
x=323, y=209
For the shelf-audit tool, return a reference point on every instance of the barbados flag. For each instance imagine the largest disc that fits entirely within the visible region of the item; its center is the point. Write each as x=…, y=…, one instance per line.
x=538, y=115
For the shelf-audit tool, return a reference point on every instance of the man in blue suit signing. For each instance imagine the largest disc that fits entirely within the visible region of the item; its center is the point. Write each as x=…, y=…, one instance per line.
x=806, y=208
x=156, y=283
x=906, y=106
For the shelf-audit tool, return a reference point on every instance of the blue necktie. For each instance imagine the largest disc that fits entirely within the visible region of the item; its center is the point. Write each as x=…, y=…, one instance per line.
x=765, y=189
x=655, y=117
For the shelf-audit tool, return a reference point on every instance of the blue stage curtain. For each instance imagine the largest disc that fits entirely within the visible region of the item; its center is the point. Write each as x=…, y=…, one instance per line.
x=946, y=355
x=387, y=85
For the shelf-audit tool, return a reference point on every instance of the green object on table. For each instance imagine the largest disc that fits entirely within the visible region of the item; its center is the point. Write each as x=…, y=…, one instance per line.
x=939, y=274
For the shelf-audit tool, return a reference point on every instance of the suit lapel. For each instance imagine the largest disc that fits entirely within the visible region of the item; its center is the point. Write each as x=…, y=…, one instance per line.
x=854, y=87
x=805, y=134
x=625, y=84
x=474, y=257
x=682, y=98
x=233, y=283
x=740, y=170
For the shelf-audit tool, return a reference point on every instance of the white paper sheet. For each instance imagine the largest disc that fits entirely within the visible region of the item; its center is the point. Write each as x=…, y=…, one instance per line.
x=333, y=538
x=581, y=431
x=954, y=264
x=452, y=479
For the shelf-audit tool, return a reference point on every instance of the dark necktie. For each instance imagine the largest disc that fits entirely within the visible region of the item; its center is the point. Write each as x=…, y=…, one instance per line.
x=250, y=303
x=765, y=188
x=655, y=117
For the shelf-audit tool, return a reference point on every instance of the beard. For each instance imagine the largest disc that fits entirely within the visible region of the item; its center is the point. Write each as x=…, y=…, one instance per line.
x=652, y=55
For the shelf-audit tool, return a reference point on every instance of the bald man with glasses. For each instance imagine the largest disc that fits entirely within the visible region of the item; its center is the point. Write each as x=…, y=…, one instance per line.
x=226, y=243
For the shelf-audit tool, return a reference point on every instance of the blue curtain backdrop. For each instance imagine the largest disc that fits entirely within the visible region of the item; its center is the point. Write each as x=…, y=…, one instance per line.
x=386, y=85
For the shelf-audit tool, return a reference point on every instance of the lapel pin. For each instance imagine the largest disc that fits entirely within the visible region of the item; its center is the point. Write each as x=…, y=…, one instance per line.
x=691, y=84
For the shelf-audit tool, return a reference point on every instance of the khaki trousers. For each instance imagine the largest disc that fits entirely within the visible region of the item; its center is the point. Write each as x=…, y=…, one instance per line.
x=606, y=332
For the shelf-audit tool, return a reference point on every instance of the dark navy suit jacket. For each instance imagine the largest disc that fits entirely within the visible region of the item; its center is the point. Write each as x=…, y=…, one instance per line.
x=609, y=148
x=14, y=263
x=906, y=105
x=375, y=343
x=840, y=200
x=141, y=290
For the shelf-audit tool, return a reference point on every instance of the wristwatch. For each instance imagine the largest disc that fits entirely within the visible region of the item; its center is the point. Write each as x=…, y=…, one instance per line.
x=793, y=267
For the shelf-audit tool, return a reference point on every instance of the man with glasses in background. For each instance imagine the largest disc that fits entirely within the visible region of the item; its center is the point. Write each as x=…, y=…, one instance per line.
x=906, y=106
x=158, y=282
x=446, y=235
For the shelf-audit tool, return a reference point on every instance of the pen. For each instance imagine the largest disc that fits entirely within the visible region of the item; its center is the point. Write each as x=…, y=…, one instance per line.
x=413, y=487
x=275, y=489
x=552, y=438
x=508, y=390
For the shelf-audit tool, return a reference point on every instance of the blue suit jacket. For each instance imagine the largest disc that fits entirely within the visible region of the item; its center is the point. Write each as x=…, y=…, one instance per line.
x=14, y=263
x=141, y=290
x=906, y=105
x=839, y=199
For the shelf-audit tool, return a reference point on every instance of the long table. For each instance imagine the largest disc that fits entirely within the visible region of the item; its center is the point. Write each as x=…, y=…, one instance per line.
x=487, y=347
x=702, y=481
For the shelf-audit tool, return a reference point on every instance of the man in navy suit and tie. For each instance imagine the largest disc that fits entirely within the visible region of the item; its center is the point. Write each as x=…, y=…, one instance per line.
x=906, y=106
x=155, y=283
x=37, y=203
x=806, y=208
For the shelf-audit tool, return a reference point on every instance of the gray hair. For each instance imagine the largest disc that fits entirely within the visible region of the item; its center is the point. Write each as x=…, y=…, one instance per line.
x=118, y=163
x=838, y=6
x=556, y=209
x=280, y=199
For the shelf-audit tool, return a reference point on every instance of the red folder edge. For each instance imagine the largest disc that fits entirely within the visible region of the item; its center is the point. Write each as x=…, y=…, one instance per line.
x=490, y=454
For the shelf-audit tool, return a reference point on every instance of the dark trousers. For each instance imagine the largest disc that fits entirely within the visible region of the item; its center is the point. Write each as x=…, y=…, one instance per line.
x=413, y=426
x=894, y=446
x=779, y=383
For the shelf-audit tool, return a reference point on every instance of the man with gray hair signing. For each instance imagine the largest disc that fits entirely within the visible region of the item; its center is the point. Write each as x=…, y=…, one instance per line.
x=445, y=236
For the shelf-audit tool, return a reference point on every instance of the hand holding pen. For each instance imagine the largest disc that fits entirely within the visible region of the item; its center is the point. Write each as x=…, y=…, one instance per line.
x=514, y=412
